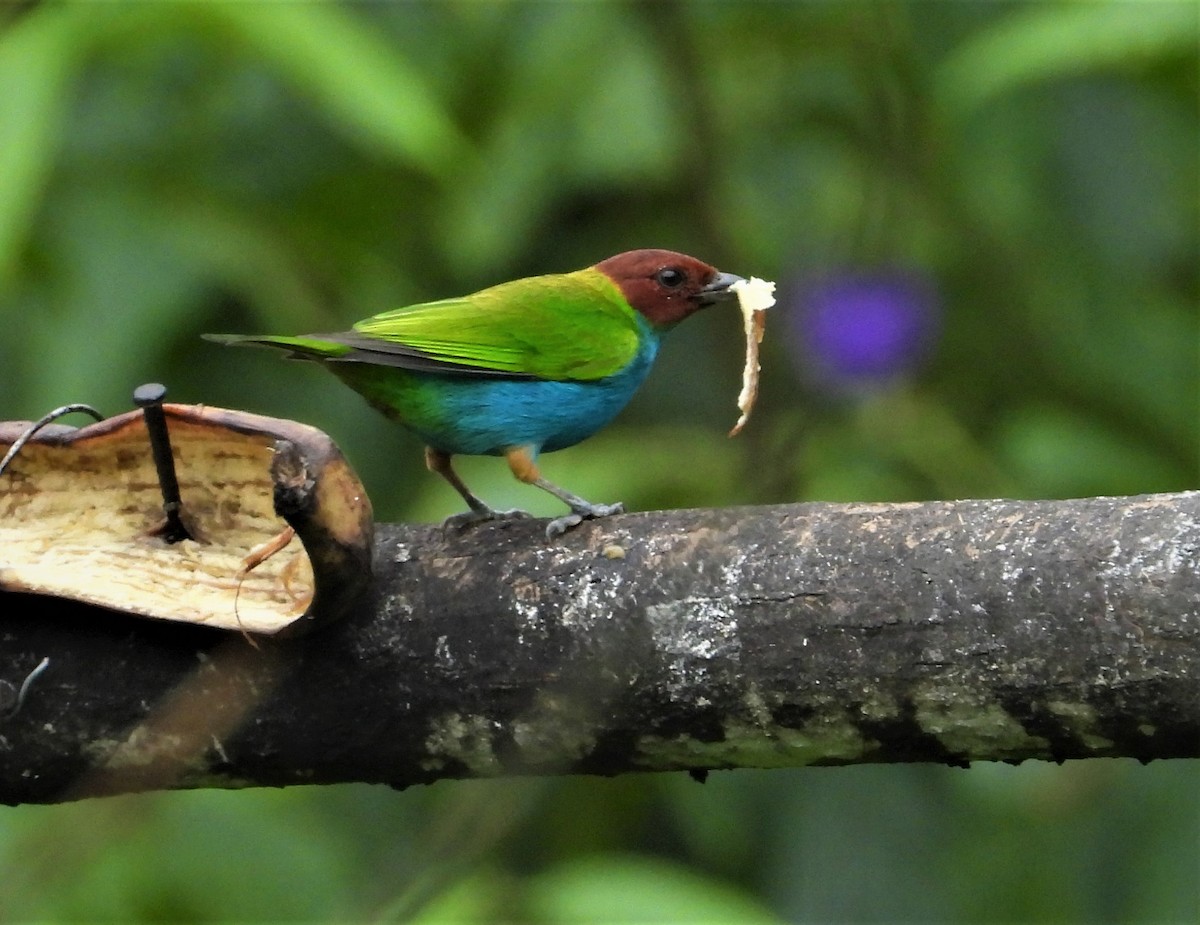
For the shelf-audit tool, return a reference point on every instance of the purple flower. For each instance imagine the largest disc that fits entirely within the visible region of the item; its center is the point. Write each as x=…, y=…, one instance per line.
x=859, y=329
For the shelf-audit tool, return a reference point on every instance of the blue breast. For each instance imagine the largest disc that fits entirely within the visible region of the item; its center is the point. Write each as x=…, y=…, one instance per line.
x=486, y=416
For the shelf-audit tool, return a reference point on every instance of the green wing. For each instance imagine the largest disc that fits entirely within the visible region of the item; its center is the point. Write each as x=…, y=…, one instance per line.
x=570, y=326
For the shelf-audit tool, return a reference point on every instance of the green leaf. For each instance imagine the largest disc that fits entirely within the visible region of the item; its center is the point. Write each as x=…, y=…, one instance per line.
x=631, y=889
x=106, y=325
x=470, y=900
x=38, y=57
x=1045, y=42
x=225, y=861
x=627, y=124
x=1061, y=454
x=357, y=77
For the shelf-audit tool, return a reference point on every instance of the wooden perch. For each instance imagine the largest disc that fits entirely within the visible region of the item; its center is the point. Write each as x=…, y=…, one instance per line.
x=759, y=637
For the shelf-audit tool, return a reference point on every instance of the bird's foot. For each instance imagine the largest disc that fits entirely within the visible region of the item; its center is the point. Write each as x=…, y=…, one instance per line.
x=460, y=522
x=580, y=513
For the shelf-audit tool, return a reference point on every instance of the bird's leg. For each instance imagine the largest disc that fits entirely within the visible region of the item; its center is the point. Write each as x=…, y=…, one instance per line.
x=439, y=462
x=520, y=461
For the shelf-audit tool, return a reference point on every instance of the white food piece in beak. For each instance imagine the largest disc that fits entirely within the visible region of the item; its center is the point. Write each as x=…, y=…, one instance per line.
x=755, y=296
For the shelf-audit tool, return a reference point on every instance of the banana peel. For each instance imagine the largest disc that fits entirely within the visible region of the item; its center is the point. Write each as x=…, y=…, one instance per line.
x=279, y=526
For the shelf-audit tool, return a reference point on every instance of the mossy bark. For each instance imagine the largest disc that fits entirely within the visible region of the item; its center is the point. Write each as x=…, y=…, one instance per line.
x=756, y=637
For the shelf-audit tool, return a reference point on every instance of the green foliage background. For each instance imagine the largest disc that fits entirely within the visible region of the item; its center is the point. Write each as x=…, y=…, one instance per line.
x=168, y=169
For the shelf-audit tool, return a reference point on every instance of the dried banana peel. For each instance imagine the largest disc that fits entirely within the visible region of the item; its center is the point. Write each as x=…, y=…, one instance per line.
x=279, y=525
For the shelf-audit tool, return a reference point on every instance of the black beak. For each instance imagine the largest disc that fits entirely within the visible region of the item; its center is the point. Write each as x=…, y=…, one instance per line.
x=718, y=290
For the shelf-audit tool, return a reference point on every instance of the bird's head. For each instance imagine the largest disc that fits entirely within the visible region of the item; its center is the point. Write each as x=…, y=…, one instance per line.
x=665, y=286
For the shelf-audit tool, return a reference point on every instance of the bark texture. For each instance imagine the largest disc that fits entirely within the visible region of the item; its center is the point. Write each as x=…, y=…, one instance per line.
x=754, y=637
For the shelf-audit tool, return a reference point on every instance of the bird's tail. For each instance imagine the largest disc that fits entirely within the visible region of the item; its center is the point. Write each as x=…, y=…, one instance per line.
x=310, y=347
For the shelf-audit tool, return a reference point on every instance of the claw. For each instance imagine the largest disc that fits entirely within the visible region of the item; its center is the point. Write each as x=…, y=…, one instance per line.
x=439, y=462
x=467, y=519
x=560, y=525
x=580, y=513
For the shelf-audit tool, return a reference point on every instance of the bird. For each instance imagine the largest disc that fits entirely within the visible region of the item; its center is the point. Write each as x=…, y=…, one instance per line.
x=518, y=369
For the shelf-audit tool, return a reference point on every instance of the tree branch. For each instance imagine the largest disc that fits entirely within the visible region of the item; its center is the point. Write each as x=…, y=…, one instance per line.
x=753, y=637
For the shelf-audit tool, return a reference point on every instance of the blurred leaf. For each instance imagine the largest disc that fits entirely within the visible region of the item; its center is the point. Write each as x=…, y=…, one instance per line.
x=716, y=820
x=474, y=899
x=1127, y=163
x=897, y=445
x=38, y=57
x=860, y=845
x=923, y=434
x=1088, y=841
x=835, y=466
x=355, y=75
x=1060, y=454
x=615, y=889
x=242, y=256
x=1041, y=42
x=111, y=317
x=627, y=123
x=492, y=213
x=1124, y=346
x=494, y=210
x=224, y=862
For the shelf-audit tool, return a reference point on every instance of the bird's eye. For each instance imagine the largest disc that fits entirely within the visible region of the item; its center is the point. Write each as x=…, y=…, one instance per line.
x=670, y=277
